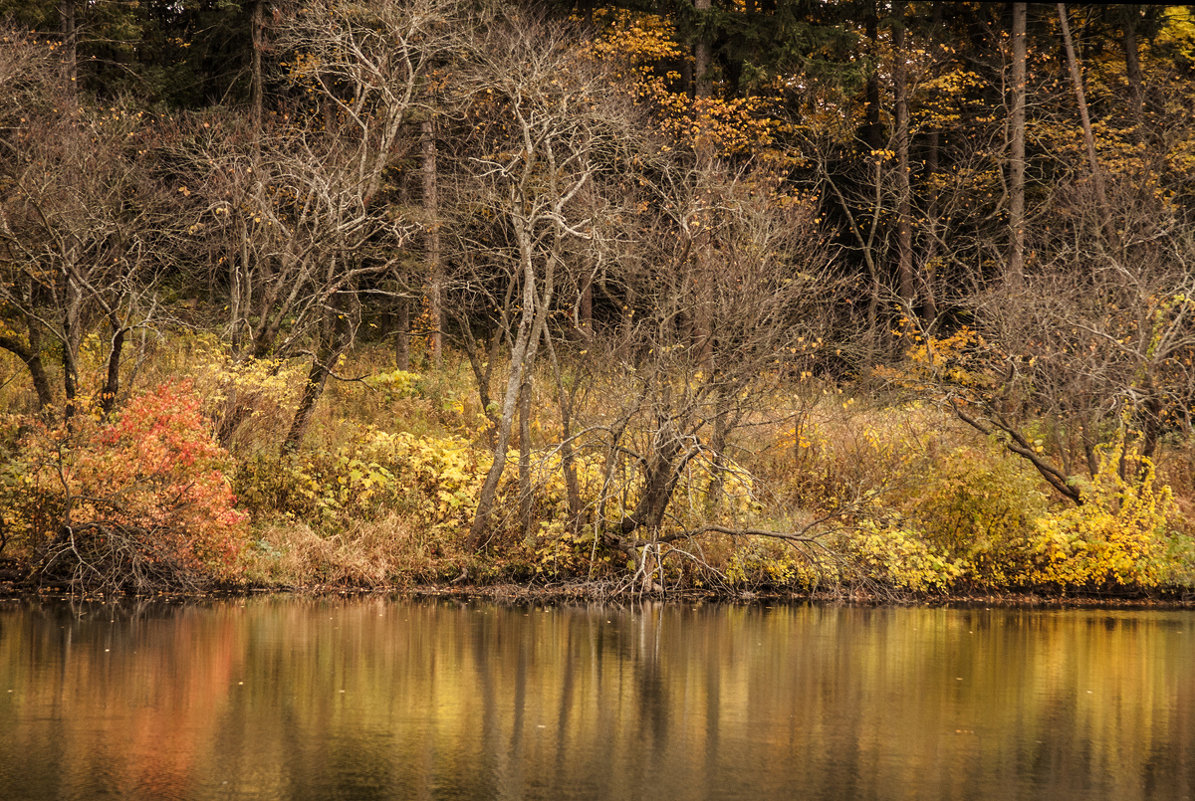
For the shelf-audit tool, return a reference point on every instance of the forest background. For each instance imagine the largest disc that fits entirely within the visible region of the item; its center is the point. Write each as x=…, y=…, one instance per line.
x=705, y=295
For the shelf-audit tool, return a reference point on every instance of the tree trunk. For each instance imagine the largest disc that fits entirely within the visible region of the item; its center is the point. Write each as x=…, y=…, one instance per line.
x=875, y=131
x=659, y=481
x=1132, y=68
x=70, y=44
x=37, y=371
x=1016, y=159
x=71, y=339
x=522, y=357
x=567, y=460
x=585, y=308
x=933, y=146
x=256, y=102
x=330, y=350
x=402, y=337
x=904, y=227
x=525, y=454
x=1097, y=176
x=434, y=269
x=702, y=80
x=112, y=380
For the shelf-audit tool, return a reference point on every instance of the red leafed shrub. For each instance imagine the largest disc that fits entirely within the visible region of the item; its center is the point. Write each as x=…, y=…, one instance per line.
x=139, y=502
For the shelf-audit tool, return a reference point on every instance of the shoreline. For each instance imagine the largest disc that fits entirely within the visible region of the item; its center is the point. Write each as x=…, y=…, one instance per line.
x=609, y=593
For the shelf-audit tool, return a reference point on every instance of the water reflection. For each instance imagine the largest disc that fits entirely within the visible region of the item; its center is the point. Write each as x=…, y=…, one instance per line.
x=361, y=699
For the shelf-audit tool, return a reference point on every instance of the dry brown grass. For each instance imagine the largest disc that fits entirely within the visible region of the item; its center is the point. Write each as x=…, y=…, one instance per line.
x=382, y=553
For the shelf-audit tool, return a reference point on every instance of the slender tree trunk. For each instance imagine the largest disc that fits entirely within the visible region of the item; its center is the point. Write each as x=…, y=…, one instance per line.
x=567, y=459
x=256, y=90
x=1132, y=66
x=1016, y=159
x=585, y=308
x=70, y=43
x=875, y=130
x=525, y=454
x=703, y=81
x=1097, y=175
x=930, y=255
x=431, y=211
x=334, y=343
x=904, y=225
x=522, y=357
x=402, y=337
x=72, y=336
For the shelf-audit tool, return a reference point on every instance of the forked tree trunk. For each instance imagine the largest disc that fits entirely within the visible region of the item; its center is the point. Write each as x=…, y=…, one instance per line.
x=522, y=357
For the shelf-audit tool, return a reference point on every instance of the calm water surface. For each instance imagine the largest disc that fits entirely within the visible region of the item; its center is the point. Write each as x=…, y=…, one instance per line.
x=374, y=699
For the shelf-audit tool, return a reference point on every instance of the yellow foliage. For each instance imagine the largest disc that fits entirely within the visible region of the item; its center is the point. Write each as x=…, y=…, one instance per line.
x=896, y=554
x=1118, y=537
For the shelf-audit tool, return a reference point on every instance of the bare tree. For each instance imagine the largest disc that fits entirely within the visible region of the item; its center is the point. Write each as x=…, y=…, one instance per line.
x=85, y=233
x=1094, y=346
x=299, y=228
x=772, y=301
x=542, y=124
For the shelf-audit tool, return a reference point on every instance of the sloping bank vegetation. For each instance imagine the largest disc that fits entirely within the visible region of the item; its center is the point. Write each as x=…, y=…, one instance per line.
x=442, y=292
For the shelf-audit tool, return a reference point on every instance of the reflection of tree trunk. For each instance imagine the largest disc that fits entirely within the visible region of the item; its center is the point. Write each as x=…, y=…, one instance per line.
x=1016, y=160
x=431, y=211
x=1080, y=96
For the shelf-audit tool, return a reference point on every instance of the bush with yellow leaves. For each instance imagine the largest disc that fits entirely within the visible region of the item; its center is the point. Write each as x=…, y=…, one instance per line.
x=894, y=554
x=1119, y=537
x=975, y=505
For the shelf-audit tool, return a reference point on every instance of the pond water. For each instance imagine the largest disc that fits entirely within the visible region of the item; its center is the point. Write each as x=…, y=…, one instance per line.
x=281, y=698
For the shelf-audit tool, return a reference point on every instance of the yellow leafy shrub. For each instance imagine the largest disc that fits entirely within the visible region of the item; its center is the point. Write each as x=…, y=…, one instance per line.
x=1118, y=537
x=975, y=505
x=895, y=554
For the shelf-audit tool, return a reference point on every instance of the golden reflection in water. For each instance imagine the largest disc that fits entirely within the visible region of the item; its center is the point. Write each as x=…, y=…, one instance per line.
x=314, y=699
